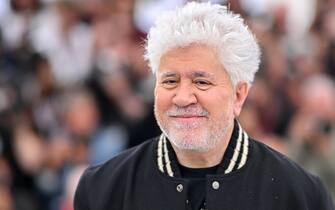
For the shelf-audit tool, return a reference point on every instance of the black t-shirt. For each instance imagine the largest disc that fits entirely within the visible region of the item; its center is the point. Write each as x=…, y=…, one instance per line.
x=197, y=184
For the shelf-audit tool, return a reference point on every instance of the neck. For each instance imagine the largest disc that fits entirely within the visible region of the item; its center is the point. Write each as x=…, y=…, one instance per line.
x=200, y=159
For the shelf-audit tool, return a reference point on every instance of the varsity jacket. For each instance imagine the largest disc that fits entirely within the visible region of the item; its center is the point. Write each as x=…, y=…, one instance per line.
x=251, y=176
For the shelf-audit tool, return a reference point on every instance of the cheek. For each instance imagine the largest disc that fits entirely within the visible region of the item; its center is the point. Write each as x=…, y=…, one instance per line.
x=219, y=105
x=163, y=100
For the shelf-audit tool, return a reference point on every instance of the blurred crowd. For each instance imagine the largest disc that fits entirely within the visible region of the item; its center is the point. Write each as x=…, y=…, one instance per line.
x=75, y=90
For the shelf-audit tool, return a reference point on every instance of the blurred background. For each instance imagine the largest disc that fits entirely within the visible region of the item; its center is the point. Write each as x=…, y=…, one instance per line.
x=75, y=91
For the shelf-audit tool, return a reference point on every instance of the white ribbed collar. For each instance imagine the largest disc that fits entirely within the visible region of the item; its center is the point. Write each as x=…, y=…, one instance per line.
x=235, y=156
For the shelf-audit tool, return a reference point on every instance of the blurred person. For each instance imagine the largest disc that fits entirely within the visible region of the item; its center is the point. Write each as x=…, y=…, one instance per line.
x=312, y=129
x=70, y=122
x=307, y=63
x=30, y=160
x=82, y=125
x=26, y=163
x=4, y=7
x=71, y=182
x=330, y=59
x=1, y=49
x=6, y=199
x=37, y=103
x=292, y=18
x=204, y=59
x=270, y=103
x=121, y=76
x=139, y=73
x=45, y=107
x=49, y=180
x=16, y=55
x=65, y=41
x=114, y=31
x=5, y=171
x=329, y=34
x=131, y=107
x=16, y=23
x=328, y=23
x=249, y=117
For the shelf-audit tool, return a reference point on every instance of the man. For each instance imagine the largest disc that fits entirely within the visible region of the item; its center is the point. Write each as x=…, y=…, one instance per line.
x=204, y=59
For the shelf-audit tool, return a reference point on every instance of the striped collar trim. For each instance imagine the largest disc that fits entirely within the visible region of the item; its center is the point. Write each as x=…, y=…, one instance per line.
x=235, y=157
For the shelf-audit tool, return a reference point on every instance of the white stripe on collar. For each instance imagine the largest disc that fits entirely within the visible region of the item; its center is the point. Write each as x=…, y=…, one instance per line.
x=236, y=151
x=245, y=151
x=160, y=154
x=167, y=159
x=242, y=148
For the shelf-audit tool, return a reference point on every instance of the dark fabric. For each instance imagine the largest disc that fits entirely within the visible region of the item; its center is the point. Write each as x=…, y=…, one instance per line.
x=196, y=173
x=196, y=178
x=268, y=180
x=196, y=184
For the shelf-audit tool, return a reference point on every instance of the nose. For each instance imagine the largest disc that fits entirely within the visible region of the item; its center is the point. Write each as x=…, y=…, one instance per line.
x=184, y=96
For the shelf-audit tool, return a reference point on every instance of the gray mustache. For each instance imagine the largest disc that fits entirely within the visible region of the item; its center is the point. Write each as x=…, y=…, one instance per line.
x=191, y=110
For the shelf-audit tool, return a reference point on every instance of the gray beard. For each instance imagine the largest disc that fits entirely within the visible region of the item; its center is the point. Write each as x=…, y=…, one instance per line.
x=207, y=140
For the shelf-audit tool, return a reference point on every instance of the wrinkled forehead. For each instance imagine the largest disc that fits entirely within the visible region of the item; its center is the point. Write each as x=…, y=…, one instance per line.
x=193, y=61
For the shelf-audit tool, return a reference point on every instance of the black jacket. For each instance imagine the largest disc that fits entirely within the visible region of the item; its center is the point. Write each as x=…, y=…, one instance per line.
x=251, y=176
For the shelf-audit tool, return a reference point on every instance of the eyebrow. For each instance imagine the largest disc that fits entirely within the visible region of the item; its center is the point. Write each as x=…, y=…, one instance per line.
x=193, y=74
x=168, y=74
x=202, y=74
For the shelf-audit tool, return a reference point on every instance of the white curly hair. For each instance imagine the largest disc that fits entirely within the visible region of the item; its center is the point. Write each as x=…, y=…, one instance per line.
x=210, y=24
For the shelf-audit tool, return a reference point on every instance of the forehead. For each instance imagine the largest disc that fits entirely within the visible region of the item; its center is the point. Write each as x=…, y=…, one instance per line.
x=195, y=60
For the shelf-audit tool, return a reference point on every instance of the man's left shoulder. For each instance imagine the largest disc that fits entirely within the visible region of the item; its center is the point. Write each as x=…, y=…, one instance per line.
x=279, y=164
x=289, y=177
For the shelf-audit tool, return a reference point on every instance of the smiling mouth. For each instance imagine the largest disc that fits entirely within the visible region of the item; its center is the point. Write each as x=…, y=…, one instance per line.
x=187, y=117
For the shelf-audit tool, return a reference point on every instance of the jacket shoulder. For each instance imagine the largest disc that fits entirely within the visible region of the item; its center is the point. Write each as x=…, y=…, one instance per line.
x=293, y=177
x=102, y=180
x=278, y=161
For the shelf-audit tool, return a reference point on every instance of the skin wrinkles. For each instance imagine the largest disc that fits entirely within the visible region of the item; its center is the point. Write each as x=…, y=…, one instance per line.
x=193, y=74
x=196, y=108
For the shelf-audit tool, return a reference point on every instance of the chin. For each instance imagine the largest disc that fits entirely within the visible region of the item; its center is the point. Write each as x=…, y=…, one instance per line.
x=193, y=147
x=192, y=142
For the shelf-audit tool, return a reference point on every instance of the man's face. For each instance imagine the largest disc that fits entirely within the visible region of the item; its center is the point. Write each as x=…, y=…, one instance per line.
x=195, y=101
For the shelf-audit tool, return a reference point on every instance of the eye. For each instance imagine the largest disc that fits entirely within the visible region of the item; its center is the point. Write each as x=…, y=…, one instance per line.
x=203, y=84
x=169, y=83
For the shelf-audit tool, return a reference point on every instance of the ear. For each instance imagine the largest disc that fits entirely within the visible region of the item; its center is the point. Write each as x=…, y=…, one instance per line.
x=241, y=93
